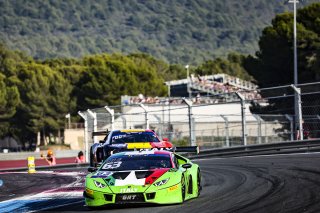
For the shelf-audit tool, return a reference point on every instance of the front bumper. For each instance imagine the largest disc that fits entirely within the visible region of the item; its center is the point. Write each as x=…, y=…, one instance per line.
x=167, y=195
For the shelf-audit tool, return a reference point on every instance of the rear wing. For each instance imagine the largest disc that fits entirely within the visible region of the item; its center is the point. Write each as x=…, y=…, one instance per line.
x=184, y=149
x=105, y=133
x=123, y=147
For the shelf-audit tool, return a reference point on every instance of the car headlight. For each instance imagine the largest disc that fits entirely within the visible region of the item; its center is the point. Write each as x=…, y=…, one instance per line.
x=99, y=185
x=161, y=182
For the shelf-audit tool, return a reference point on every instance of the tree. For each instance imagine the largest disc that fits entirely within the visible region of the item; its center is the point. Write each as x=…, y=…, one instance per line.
x=9, y=100
x=45, y=95
x=107, y=77
x=273, y=64
x=233, y=65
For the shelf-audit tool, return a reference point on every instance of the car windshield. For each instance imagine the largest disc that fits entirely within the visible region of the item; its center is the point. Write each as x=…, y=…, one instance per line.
x=136, y=162
x=132, y=137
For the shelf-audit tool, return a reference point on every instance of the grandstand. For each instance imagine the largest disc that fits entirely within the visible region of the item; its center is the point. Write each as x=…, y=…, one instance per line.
x=201, y=89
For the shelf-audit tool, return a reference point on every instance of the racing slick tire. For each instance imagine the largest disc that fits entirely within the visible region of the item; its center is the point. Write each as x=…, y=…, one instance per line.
x=91, y=159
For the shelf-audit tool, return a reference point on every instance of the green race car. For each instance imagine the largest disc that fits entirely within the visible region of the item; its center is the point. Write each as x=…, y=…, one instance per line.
x=159, y=177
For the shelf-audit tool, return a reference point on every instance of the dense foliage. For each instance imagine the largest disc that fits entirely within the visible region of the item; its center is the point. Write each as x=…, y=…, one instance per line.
x=232, y=65
x=175, y=31
x=35, y=96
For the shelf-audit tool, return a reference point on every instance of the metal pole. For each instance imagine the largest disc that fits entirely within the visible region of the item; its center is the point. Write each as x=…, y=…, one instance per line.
x=227, y=129
x=95, y=124
x=188, y=82
x=291, y=127
x=191, y=130
x=243, y=118
x=111, y=112
x=258, y=118
x=146, y=115
x=86, y=151
x=295, y=62
x=298, y=95
x=169, y=114
x=297, y=113
x=295, y=41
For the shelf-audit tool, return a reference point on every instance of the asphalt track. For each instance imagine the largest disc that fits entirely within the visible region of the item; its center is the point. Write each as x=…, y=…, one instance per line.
x=279, y=183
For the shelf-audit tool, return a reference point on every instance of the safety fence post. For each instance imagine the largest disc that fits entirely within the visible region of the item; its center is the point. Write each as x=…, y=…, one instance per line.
x=95, y=124
x=299, y=113
x=226, y=121
x=146, y=115
x=191, y=121
x=243, y=118
x=291, y=126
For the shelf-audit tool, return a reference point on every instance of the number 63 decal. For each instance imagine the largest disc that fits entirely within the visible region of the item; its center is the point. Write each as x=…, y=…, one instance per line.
x=112, y=165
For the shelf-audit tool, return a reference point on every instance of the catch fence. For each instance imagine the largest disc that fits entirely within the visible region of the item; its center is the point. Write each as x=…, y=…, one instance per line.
x=211, y=119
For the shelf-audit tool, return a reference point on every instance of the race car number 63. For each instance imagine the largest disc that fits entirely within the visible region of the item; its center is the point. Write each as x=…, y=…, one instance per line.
x=112, y=165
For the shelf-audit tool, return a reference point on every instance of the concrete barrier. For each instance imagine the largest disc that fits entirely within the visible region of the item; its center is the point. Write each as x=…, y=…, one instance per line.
x=25, y=155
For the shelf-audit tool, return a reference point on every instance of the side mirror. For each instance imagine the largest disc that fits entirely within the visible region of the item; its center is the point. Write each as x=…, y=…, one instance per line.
x=186, y=166
x=92, y=169
x=165, y=139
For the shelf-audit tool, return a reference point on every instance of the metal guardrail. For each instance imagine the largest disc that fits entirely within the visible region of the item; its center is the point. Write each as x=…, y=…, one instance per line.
x=258, y=149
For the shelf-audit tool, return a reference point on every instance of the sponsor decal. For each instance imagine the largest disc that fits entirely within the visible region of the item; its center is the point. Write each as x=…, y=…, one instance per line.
x=139, y=146
x=162, y=149
x=112, y=165
x=172, y=188
x=118, y=137
x=102, y=174
x=141, y=152
x=118, y=145
x=128, y=197
x=128, y=190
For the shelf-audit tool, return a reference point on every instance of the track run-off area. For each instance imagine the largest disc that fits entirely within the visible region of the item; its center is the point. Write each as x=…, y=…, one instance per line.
x=271, y=183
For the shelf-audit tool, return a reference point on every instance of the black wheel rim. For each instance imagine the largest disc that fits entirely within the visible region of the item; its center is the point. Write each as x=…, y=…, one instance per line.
x=199, y=183
x=183, y=189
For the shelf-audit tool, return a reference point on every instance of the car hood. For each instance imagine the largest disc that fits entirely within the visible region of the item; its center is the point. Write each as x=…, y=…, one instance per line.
x=130, y=181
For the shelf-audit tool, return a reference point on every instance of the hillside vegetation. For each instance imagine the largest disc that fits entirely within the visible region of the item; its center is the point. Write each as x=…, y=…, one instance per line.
x=176, y=31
